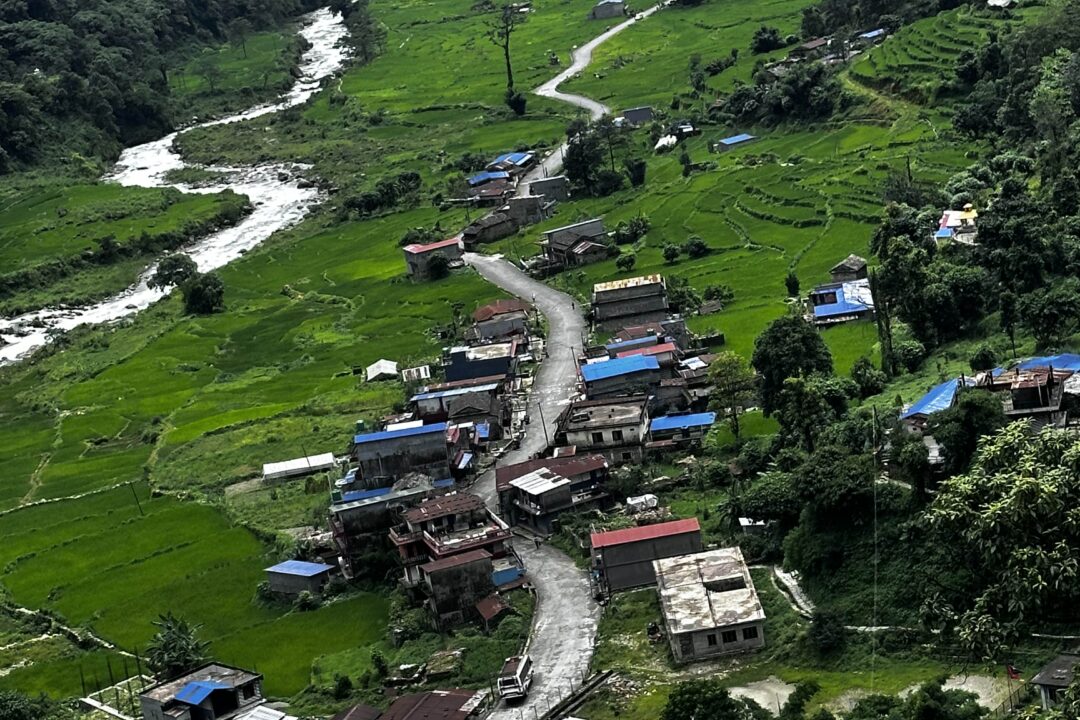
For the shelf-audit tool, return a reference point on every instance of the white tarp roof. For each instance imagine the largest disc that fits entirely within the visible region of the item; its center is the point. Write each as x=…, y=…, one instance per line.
x=298, y=466
x=539, y=481
x=417, y=373
x=382, y=369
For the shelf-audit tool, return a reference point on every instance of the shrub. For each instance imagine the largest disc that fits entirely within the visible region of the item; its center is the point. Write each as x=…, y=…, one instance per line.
x=626, y=262
x=791, y=284
x=438, y=266
x=607, y=182
x=765, y=39
x=305, y=601
x=382, y=669
x=671, y=254
x=827, y=633
x=984, y=358
x=909, y=353
x=516, y=101
x=695, y=247
x=868, y=378
x=635, y=170
x=204, y=294
x=342, y=687
x=719, y=293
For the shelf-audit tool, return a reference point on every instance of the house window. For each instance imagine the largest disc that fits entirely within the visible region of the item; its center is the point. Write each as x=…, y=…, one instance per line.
x=729, y=636
x=616, y=435
x=598, y=437
x=711, y=637
x=749, y=633
x=627, y=457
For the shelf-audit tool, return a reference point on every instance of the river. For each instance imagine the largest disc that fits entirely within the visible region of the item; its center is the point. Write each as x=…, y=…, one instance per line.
x=278, y=203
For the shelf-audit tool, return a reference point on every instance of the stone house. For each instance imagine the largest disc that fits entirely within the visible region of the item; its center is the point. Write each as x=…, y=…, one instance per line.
x=383, y=457
x=502, y=319
x=638, y=116
x=489, y=228
x=621, y=376
x=850, y=268
x=418, y=256
x=576, y=244
x=454, y=585
x=709, y=603
x=527, y=210
x=463, y=363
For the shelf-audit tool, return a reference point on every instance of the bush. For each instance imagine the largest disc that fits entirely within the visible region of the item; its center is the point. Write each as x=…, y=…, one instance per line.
x=984, y=358
x=382, y=669
x=607, y=182
x=671, y=254
x=342, y=687
x=438, y=266
x=626, y=262
x=635, y=170
x=827, y=633
x=204, y=294
x=719, y=293
x=868, y=378
x=909, y=354
x=305, y=601
x=765, y=40
x=695, y=247
x=791, y=284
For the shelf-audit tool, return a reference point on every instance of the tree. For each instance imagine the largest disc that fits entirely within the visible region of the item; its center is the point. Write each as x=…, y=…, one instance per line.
x=671, y=254
x=976, y=413
x=695, y=247
x=791, y=284
x=733, y=383
x=789, y=347
x=438, y=266
x=1052, y=314
x=704, y=700
x=626, y=262
x=208, y=70
x=173, y=270
x=827, y=633
x=516, y=101
x=766, y=39
x=795, y=707
x=635, y=170
x=930, y=700
x=239, y=30
x=342, y=687
x=813, y=23
x=15, y=705
x=499, y=31
x=582, y=159
x=984, y=358
x=803, y=411
x=175, y=648
x=1009, y=316
x=1010, y=517
x=204, y=294
x=868, y=378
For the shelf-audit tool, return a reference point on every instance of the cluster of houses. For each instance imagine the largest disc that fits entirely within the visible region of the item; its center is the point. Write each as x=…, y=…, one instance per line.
x=828, y=50
x=222, y=692
x=958, y=226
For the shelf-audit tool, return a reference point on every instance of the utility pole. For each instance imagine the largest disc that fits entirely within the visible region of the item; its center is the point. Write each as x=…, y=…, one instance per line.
x=543, y=423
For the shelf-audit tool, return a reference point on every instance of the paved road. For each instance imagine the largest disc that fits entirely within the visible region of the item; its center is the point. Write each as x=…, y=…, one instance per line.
x=566, y=616
x=579, y=60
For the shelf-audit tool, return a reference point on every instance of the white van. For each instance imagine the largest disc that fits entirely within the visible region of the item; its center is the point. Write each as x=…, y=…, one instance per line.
x=516, y=677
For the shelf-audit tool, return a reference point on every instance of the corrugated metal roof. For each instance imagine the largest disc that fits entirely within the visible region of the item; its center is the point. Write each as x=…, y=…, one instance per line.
x=312, y=463
x=939, y=398
x=454, y=392
x=488, y=176
x=539, y=481
x=198, y=690
x=516, y=158
x=736, y=139
x=619, y=366
x=300, y=568
x=653, y=350
x=355, y=495
x=645, y=532
x=682, y=422
x=456, y=560
x=419, y=248
x=394, y=434
x=619, y=346
x=851, y=297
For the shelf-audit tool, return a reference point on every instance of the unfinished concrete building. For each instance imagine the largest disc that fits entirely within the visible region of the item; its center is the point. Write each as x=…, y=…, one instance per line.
x=632, y=301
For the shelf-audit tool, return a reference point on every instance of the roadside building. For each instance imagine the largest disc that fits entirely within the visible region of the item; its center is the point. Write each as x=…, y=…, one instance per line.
x=502, y=319
x=492, y=194
x=671, y=329
x=489, y=228
x=552, y=188
x=487, y=176
x=359, y=712
x=479, y=408
x=681, y=429
x=638, y=116
x=539, y=497
x=613, y=428
x=575, y=244
x=454, y=585
x=383, y=457
x=1030, y=393
x=666, y=353
x=463, y=363
x=1054, y=679
x=709, y=603
x=527, y=210
x=438, y=705
x=632, y=301
x=623, y=559
x=418, y=256
x=725, y=144
x=293, y=577
x=835, y=303
x=434, y=405
x=608, y=9
x=588, y=475
x=514, y=163
x=849, y=269
x=213, y=692
x=621, y=376
x=442, y=527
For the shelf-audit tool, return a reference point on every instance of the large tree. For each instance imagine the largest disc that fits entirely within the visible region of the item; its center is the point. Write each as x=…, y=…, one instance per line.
x=733, y=382
x=789, y=347
x=706, y=700
x=175, y=648
x=173, y=270
x=1011, y=529
x=499, y=31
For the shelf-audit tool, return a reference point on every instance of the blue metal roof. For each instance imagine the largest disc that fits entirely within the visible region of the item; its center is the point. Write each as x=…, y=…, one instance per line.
x=842, y=306
x=621, y=345
x=736, y=139
x=940, y=397
x=483, y=430
x=404, y=432
x=444, y=483
x=300, y=568
x=466, y=460
x=355, y=495
x=944, y=233
x=619, y=366
x=198, y=690
x=682, y=422
x=517, y=158
x=453, y=392
x=488, y=176
x=1065, y=361
x=872, y=34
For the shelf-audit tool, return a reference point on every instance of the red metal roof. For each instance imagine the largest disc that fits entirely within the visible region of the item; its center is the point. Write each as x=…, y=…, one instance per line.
x=491, y=607
x=442, y=506
x=434, y=705
x=568, y=467
x=419, y=249
x=645, y=532
x=651, y=350
x=500, y=307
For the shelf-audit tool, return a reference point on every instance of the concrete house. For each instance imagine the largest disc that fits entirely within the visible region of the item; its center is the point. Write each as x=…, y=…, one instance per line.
x=576, y=244
x=213, y=692
x=623, y=559
x=632, y=301
x=709, y=604
x=293, y=577
x=502, y=319
x=383, y=457
x=681, y=429
x=418, y=256
x=442, y=527
x=479, y=408
x=556, y=187
x=608, y=9
x=454, y=585
x=850, y=268
x=527, y=210
x=1054, y=679
x=638, y=116
x=621, y=376
x=587, y=476
x=434, y=405
x=463, y=363
x=667, y=355
x=487, y=229
x=613, y=428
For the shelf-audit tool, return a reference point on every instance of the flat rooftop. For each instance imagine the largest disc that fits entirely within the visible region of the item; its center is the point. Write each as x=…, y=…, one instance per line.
x=584, y=416
x=707, y=590
x=213, y=673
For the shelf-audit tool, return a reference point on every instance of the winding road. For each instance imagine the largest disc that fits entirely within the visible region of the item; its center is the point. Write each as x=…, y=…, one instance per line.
x=566, y=616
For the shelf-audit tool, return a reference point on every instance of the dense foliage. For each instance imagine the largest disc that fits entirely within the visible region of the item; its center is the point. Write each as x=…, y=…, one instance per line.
x=175, y=648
